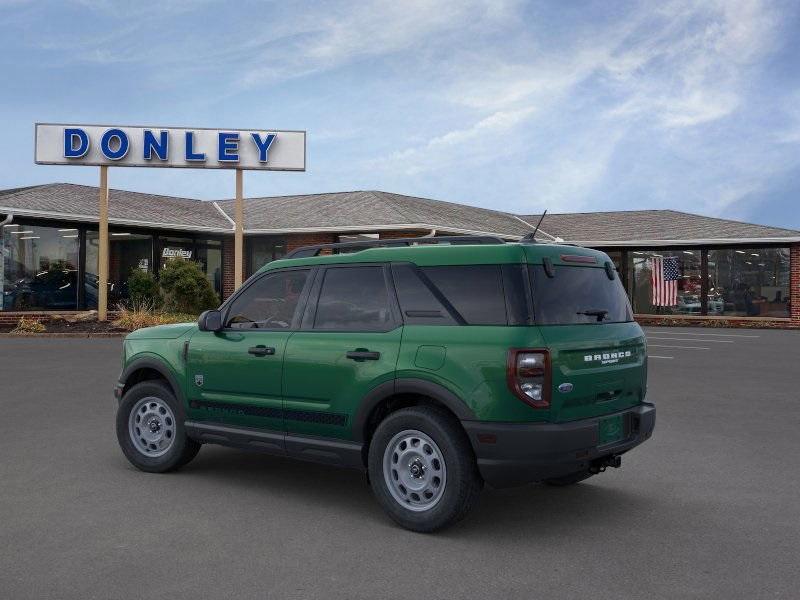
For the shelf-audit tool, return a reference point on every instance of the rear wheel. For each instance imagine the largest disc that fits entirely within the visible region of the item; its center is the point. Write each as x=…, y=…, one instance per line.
x=422, y=469
x=570, y=479
x=150, y=429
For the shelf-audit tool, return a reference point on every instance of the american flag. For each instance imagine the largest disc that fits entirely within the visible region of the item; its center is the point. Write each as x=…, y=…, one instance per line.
x=664, y=277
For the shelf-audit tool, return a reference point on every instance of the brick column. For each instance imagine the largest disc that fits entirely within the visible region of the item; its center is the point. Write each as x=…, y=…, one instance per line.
x=228, y=267
x=293, y=242
x=794, y=283
x=393, y=235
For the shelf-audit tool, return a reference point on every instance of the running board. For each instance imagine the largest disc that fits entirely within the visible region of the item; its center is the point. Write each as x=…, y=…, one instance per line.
x=331, y=452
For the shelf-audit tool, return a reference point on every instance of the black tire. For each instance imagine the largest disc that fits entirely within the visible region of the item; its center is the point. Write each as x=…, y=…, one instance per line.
x=463, y=482
x=570, y=479
x=182, y=449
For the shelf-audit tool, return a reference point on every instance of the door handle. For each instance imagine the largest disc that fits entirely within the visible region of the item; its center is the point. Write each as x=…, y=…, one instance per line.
x=361, y=355
x=261, y=350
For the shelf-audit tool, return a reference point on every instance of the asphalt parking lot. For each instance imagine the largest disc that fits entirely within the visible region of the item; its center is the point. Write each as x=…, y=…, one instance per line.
x=709, y=508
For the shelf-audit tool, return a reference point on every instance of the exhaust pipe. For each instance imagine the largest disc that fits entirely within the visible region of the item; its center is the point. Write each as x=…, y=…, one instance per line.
x=601, y=464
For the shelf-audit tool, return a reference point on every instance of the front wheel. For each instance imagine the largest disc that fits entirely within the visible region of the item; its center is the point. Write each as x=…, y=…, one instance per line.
x=150, y=429
x=422, y=469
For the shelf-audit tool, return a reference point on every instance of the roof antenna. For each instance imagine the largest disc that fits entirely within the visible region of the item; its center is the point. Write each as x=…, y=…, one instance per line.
x=531, y=237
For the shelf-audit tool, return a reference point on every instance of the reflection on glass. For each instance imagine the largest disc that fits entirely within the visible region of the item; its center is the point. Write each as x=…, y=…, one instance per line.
x=749, y=282
x=261, y=250
x=128, y=252
x=38, y=270
x=209, y=255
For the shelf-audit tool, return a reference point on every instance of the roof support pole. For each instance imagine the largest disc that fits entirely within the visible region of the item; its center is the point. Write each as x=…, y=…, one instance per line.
x=102, y=255
x=238, y=246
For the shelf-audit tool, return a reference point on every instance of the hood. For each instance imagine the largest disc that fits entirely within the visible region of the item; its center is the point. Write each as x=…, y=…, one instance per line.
x=162, y=332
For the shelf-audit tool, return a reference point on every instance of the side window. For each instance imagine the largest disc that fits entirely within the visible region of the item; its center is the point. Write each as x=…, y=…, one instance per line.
x=417, y=302
x=269, y=303
x=475, y=291
x=353, y=299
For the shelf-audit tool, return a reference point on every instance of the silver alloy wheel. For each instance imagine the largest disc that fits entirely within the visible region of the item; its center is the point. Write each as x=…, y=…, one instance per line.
x=151, y=426
x=414, y=470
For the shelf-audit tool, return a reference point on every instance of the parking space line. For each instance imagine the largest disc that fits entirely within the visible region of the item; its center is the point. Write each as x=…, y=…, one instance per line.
x=736, y=335
x=687, y=347
x=654, y=356
x=691, y=340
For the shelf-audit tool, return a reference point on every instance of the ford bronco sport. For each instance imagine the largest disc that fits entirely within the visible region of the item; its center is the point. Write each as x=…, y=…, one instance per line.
x=433, y=364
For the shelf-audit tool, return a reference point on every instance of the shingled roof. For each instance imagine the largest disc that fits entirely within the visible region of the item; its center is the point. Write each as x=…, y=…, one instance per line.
x=72, y=202
x=364, y=211
x=352, y=211
x=659, y=227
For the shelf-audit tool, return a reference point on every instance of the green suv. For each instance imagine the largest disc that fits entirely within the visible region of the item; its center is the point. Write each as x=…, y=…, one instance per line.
x=434, y=364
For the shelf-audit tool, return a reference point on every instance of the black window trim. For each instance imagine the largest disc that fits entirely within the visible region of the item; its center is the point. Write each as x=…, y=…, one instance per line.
x=435, y=291
x=301, y=303
x=310, y=312
x=461, y=321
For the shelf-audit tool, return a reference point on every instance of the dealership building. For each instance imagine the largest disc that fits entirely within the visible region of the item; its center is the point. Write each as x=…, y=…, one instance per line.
x=726, y=270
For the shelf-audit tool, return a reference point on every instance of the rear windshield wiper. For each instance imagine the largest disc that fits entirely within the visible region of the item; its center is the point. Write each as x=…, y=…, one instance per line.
x=594, y=312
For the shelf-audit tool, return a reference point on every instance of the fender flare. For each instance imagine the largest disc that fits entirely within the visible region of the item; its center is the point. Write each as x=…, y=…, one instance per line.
x=407, y=386
x=147, y=362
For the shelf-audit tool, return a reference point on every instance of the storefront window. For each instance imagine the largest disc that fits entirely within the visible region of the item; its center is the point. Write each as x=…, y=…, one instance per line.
x=209, y=255
x=666, y=281
x=128, y=252
x=749, y=282
x=39, y=268
x=176, y=247
x=261, y=250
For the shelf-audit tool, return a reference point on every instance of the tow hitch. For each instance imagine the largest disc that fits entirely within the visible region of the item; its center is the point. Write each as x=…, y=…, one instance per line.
x=601, y=464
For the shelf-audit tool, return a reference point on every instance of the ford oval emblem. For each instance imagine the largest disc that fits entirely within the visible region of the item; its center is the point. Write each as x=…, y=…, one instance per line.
x=565, y=388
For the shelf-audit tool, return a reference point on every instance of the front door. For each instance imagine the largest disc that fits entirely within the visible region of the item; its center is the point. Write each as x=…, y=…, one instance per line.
x=235, y=375
x=348, y=344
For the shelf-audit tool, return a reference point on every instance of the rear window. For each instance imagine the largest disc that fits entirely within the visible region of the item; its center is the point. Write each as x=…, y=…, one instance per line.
x=578, y=295
x=462, y=295
x=476, y=292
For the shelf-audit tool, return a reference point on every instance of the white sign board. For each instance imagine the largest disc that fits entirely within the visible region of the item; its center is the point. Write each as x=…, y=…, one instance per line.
x=189, y=148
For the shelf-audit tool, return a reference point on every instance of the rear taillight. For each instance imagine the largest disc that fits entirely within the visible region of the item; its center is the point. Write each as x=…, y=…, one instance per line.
x=528, y=374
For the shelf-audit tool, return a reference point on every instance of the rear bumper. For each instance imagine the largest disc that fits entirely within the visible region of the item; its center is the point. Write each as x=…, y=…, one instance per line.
x=516, y=453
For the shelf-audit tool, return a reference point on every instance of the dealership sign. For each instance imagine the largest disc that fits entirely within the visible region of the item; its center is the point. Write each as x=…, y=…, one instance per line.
x=193, y=148
x=176, y=253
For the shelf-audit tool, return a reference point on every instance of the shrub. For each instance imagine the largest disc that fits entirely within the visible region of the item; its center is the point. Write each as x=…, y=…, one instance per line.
x=142, y=315
x=185, y=288
x=28, y=325
x=143, y=289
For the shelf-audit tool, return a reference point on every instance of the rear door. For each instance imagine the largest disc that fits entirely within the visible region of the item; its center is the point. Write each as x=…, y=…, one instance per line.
x=597, y=351
x=348, y=344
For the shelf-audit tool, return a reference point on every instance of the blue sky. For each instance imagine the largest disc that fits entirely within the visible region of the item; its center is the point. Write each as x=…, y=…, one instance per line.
x=570, y=106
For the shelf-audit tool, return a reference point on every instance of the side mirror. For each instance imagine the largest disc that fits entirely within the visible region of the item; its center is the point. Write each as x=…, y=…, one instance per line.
x=210, y=320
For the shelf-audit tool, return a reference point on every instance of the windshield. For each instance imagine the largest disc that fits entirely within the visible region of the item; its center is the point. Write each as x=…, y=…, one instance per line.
x=578, y=295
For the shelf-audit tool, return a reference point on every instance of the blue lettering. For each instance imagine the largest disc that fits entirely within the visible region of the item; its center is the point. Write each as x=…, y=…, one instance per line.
x=159, y=146
x=190, y=153
x=263, y=145
x=70, y=137
x=122, y=144
x=228, y=142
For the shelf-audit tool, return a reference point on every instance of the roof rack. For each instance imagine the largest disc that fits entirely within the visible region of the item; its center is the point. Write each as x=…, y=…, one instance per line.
x=308, y=251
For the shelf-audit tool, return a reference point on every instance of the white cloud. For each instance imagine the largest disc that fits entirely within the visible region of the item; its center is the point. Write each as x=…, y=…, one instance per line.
x=348, y=32
x=478, y=142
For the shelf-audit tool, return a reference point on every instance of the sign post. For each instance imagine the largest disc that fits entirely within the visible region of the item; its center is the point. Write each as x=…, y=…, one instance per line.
x=103, y=253
x=238, y=241
x=175, y=147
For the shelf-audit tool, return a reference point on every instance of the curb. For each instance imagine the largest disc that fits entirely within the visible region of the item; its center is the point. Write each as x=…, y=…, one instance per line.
x=63, y=335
